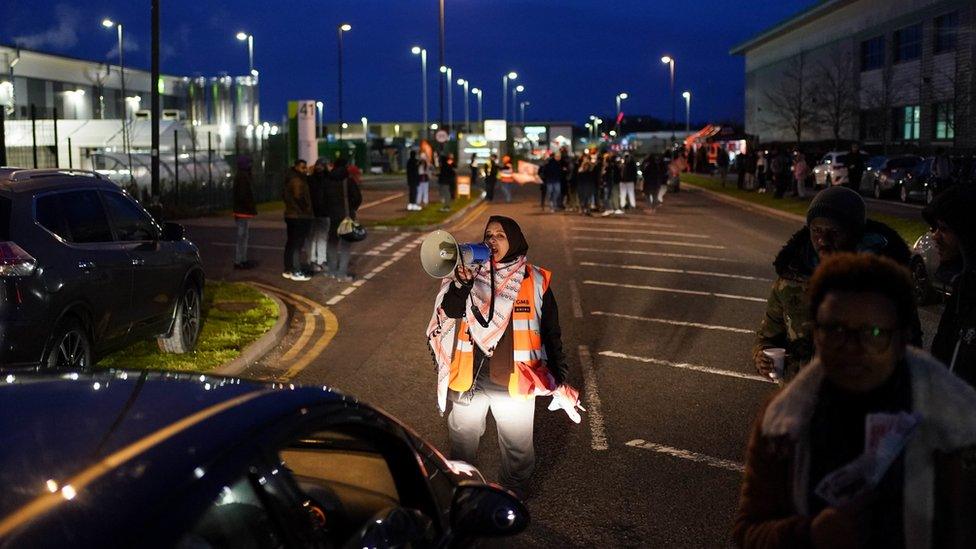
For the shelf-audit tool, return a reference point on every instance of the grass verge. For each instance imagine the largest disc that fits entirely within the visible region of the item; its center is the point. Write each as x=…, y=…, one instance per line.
x=909, y=229
x=235, y=315
x=431, y=215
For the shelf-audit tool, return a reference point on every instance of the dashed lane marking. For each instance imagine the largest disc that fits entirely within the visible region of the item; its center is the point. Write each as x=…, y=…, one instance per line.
x=686, y=366
x=598, y=434
x=645, y=241
x=675, y=322
x=677, y=271
x=651, y=224
x=655, y=254
x=577, y=303
x=676, y=291
x=273, y=248
x=634, y=231
x=687, y=455
x=379, y=249
x=380, y=201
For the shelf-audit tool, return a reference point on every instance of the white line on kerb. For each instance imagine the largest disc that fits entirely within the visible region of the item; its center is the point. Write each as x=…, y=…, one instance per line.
x=634, y=231
x=678, y=271
x=644, y=241
x=676, y=291
x=577, y=303
x=685, y=454
x=685, y=366
x=675, y=322
x=598, y=434
x=656, y=254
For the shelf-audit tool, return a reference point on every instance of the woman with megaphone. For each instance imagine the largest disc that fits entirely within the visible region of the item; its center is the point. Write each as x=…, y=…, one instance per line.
x=496, y=340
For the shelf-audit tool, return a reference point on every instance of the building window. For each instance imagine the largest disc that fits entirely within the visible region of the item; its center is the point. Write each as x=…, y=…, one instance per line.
x=907, y=122
x=872, y=125
x=945, y=118
x=946, y=28
x=908, y=43
x=873, y=53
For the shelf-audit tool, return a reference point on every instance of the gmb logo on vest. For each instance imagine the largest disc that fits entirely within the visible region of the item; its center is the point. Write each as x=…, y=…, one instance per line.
x=522, y=306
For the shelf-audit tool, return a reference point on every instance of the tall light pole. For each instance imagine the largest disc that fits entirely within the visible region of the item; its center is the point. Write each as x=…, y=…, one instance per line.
x=108, y=24
x=687, y=95
x=477, y=91
x=518, y=89
x=620, y=97
x=345, y=27
x=589, y=129
x=422, y=52
x=450, y=97
x=522, y=106
x=319, y=108
x=253, y=74
x=441, y=61
x=510, y=76
x=668, y=60
x=365, y=122
x=467, y=120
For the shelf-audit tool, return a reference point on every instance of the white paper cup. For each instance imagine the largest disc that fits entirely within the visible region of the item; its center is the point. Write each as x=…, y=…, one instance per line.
x=778, y=357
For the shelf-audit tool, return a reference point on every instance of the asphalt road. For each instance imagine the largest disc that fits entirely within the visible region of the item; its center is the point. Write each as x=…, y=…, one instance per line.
x=657, y=312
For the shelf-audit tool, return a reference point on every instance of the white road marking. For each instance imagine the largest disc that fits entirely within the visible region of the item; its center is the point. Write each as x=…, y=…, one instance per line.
x=577, y=303
x=644, y=241
x=688, y=455
x=678, y=271
x=634, y=231
x=598, y=434
x=675, y=291
x=380, y=201
x=676, y=322
x=376, y=250
x=651, y=224
x=274, y=248
x=686, y=366
x=656, y=254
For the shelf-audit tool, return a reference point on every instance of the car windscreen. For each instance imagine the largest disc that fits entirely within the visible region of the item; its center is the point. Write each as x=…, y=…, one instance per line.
x=4, y=218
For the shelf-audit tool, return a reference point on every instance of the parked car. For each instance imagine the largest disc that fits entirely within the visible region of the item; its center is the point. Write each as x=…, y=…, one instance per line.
x=84, y=270
x=932, y=279
x=187, y=461
x=921, y=185
x=832, y=169
x=885, y=176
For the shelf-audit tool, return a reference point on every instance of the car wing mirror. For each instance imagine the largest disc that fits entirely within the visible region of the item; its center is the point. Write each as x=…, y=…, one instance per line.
x=394, y=527
x=486, y=510
x=173, y=232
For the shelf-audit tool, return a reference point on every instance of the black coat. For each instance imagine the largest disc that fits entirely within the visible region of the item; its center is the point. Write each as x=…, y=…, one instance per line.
x=244, y=195
x=447, y=175
x=957, y=327
x=413, y=172
x=630, y=171
x=335, y=204
x=316, y=188
x=551, y=172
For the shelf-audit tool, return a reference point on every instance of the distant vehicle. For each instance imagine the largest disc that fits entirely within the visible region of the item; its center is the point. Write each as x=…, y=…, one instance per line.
x=932, y=280
x=178, y=460
x=885, y=176
x=921, y=185
x=832, y=168
x=84, y=270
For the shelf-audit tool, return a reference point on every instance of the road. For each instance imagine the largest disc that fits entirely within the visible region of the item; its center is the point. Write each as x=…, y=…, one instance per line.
x=658, y=314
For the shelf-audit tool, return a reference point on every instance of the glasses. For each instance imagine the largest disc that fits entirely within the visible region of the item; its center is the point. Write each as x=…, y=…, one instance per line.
x=835, y=336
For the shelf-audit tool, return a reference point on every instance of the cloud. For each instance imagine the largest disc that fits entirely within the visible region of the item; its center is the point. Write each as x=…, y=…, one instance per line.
x=130, y=45
x=61, y=36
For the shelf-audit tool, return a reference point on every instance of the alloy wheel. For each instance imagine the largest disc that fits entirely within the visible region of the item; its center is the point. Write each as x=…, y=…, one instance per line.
x=190, y=317
x=72, y=351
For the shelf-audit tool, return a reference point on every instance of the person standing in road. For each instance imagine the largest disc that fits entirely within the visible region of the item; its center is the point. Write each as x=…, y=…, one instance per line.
x=628, y=183
x=611, y=185
x=781, y=173
x=244, y=210
x=491, y=177
x=298, y=219
x=423, y=185
x=740, y=170
x=551, y=177
x=318, y=240
x=800, y=172
x=950, y=215
x=474, y=171
x=505, y=177
x=761, y=171
x=566, y=194
x=809, y=479
x=655, y=180
x=836, y=222
x=586, y=184
x=497, y=344
x=413, y=181
x=446, y=179
x=342, y=198
x=722, y=161
x=855, y=167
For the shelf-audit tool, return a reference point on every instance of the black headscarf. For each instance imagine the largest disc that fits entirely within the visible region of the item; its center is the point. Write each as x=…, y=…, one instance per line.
x=517, y=245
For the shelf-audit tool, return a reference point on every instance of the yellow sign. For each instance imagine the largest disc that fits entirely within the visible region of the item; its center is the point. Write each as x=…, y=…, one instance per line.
x=464, y=185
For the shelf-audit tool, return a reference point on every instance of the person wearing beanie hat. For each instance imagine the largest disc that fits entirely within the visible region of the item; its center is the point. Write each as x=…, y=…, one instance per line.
x=836, y=222
x=950, y=215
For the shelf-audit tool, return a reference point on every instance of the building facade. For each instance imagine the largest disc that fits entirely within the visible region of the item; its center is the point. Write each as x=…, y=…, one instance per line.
x=893, y=74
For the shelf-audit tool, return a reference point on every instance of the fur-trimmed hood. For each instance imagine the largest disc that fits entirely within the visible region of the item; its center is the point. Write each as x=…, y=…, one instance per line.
x=797, y=260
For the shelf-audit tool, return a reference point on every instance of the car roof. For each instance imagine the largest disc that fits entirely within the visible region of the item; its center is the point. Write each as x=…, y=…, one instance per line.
x=27, y=180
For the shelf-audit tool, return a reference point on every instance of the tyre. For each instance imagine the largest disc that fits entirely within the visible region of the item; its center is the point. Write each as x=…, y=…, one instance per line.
x=186, y=325
x=921, y=283
x=71, y=347
x=877, y=190
x=903, y=193
x=929, y=196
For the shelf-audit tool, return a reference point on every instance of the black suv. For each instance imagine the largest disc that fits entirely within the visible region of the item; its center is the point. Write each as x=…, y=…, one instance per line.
x=85, y=270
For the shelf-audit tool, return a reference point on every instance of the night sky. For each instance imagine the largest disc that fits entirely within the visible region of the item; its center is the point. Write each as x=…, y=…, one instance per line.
x=573, y=56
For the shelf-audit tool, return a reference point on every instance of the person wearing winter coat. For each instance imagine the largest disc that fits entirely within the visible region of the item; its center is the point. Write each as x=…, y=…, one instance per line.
x=836, y=222
x=950, y=215
x=298, y=219
x=628, y=183
x=413, y=181
x=722, y=161
x=491, y=177
x=244, y=210
x=586, y=184
x=551, y=175
x=655, y=172
x=318, y=238
x=800, y=172
x=446, y=179
x=342, y=198
x=809, y=479
x=423, y=178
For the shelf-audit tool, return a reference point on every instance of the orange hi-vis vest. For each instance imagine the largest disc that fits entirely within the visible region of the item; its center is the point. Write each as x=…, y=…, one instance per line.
x=530, y=375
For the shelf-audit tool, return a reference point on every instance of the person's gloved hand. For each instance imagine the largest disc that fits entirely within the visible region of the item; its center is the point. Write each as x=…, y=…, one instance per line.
x=567, y=398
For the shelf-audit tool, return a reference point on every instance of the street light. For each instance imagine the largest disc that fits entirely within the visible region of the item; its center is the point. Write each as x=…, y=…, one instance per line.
x=365, y=133
x=319, y=108
x=668, y=60
x=249, y=38
x=477, y=91
x=522, y=106
x=422, y=52
x=108, y=24
x=510, y=76
x=518, y=89
x=687, y=95
x=620, y=97
x=467, y=120
x=344, y=27
x=589, y=128
x=450, y=96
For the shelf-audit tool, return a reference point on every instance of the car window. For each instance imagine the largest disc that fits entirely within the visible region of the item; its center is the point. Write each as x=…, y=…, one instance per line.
x=131, y=222
x=237, y=518
x=75, y=216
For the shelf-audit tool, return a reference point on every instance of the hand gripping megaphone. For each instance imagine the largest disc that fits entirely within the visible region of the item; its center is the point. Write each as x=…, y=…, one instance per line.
x=440, y=254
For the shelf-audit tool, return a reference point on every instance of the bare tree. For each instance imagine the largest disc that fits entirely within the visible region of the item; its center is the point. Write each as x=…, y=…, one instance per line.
x=835, y=94
x=98, y=78
x=953, y=92
x=791, y=103
x=881, y=97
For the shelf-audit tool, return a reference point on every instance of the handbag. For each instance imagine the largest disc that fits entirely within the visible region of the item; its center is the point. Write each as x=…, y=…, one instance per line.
x=349, y=229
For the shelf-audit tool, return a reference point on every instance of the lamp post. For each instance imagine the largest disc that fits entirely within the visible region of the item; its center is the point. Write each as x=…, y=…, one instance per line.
x=345, y=27
x=518, y=89
x=620, y=97
x=319, y=107
x=687, y=95
x=522, y=106
x=589, y=130
x=422, y=52
x=510, y=76
x=249, y=38
x=467, y=120
x=668, y=60
x=365, y=133
x=447, y=71
x=477, y=92
x=108, y=24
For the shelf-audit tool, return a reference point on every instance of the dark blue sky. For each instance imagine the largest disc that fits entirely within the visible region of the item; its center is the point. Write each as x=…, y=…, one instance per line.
x=573, y=56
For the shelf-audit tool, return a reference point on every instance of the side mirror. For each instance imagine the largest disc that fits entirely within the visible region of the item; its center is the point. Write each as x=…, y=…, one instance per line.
x=485, y=511
x=173, y=232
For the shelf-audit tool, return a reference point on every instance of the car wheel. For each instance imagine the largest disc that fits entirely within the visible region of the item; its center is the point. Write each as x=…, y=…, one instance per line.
x=186, y=327
x=920, y=280
x=903, y=193
x=877, y=190
x=71, y=347
x=929, y=196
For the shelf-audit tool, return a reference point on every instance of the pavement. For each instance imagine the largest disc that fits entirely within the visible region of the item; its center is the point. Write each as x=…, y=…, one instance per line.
x=657, y=312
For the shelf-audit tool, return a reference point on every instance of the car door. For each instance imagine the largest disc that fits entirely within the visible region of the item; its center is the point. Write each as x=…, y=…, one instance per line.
x=92, y=266
x=156, y=272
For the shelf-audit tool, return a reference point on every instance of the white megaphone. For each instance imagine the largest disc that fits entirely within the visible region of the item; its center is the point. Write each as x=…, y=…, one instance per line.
x=440, y=254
